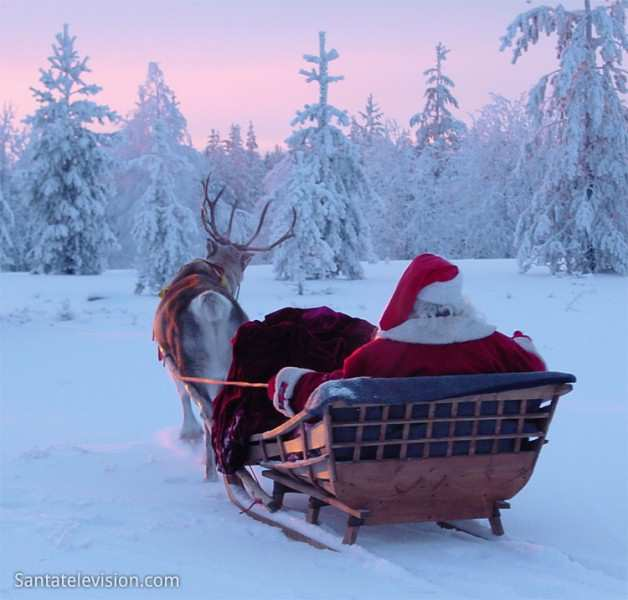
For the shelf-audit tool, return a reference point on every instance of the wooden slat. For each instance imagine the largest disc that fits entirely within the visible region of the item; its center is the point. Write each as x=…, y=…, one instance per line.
x=520, y=422
x=452, y=424
x=358, y=433
x=467, y=438
x=282, y=452
x=382, y=432
x=305, y=454
x=406, y=431
x=327, y=431
x=294, y=464
x=498, y=426
x=428, y=433
x=445, y=419
x=474, y=430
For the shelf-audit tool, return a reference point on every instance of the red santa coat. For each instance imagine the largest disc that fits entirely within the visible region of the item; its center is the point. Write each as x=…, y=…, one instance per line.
x=401, y=357
x=412, y=343
x=496, y=353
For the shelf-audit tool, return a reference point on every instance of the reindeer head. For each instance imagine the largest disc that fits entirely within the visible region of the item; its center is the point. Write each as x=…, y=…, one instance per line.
x=233, y=257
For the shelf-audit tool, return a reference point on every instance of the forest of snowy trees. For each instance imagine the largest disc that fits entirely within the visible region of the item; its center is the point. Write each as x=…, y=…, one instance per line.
x=543, y=178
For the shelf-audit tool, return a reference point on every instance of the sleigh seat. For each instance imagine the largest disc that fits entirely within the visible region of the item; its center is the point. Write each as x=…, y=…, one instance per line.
x=413, y=449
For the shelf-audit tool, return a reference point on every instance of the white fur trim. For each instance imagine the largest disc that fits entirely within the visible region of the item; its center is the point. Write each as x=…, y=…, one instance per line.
x=285, y=382
x=444, y=292
x=439, y=330
x=528, y=345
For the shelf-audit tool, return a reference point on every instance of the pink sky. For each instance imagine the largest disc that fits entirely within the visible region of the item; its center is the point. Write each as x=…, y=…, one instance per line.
x=238, y=60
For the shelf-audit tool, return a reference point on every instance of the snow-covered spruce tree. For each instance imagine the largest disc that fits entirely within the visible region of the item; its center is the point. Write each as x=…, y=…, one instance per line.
x=431, y=223
x=382, y=150
x=239, y=170
x=156, y=102
x=9, y=154
x=163, y=228
x=255, y=169
x=273, y=158
x=251, y=139
x=436, y=125
x=6, y=228
x=308, y=255
x=578, y=218
x=213, y=143
x=69, y=175
x=13, y=165
x=370, y=123
x=398, y=190
x=326, y=186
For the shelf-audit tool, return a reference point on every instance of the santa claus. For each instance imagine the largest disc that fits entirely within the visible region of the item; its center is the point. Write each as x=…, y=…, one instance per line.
x=428, y=328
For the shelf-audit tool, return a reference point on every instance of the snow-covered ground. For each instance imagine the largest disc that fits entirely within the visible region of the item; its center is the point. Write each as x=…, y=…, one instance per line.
x=94, y=480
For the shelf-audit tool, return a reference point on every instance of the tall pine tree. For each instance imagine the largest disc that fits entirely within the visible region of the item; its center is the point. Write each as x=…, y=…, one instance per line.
x=69, y=175
x=578, y=218
x=326, y=186
x=163, y=227
x=156, y=108
x=436, y=125
x=429, y=224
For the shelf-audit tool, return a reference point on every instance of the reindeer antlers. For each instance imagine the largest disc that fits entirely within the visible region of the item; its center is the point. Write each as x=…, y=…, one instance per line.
x=208, y=219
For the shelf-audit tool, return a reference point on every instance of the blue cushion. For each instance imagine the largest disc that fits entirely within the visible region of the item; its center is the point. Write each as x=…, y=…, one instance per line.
x=395, y=391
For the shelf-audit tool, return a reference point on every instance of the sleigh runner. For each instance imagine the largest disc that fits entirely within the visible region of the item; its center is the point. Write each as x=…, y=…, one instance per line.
x=418, y=449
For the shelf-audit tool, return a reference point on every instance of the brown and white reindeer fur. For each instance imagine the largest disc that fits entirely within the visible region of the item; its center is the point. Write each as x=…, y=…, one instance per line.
x=199, y=314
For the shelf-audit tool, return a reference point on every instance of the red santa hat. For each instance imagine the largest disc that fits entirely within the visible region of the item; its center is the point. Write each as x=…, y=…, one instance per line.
x=428, y=277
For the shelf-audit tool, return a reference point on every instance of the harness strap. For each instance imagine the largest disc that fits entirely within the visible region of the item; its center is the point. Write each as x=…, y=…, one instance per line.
x=219, y=272
x=163, y=355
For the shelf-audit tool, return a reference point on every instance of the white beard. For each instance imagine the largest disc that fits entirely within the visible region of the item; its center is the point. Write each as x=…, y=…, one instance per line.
x=439, y=330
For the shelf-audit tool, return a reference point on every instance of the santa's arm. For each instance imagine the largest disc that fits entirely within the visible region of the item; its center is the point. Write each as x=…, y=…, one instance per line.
x=290, y=388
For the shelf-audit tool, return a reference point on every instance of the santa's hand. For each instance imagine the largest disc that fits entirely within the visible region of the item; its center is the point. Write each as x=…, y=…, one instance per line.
x=525, y=341
x=285, y=383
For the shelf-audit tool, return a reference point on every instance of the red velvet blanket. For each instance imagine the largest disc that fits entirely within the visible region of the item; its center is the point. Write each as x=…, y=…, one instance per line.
x=315, y=338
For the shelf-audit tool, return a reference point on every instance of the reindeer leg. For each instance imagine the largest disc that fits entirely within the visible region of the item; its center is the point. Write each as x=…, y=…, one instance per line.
x=210, y=460
x=190, y=429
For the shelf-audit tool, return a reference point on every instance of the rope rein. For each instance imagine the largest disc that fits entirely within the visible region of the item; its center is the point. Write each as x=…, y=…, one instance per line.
x=244, y=384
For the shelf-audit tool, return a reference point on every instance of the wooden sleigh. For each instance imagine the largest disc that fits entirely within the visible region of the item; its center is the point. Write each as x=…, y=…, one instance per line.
x=438, y=449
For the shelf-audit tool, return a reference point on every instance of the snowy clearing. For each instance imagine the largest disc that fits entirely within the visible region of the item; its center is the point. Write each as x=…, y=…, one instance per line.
x=95, y=481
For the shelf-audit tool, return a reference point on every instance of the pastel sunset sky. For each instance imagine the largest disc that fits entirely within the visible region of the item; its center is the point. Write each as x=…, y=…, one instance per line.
x=238, y=60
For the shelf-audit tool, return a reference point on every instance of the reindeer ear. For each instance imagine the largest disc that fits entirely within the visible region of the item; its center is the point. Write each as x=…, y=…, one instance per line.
x=245, y=259
x=211, y=248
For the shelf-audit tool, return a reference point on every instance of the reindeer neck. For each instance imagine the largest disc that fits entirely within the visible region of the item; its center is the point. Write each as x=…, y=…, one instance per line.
x=224, y=279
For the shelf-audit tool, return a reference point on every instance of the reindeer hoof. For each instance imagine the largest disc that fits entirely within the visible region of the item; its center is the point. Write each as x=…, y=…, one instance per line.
x=191, y=435
x=211, y=475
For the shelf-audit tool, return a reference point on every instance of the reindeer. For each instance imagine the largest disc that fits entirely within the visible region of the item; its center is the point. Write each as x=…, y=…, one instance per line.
x=199, y=314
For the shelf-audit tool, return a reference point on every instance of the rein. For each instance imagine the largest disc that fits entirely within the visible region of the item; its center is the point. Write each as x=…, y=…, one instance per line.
x=244, y=384
x=163, y=356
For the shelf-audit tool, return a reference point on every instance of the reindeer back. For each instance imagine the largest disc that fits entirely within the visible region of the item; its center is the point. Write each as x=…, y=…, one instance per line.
x=192, y=280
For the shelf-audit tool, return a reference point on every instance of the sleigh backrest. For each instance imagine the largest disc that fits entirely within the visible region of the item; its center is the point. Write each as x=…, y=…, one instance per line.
x=428, y=417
